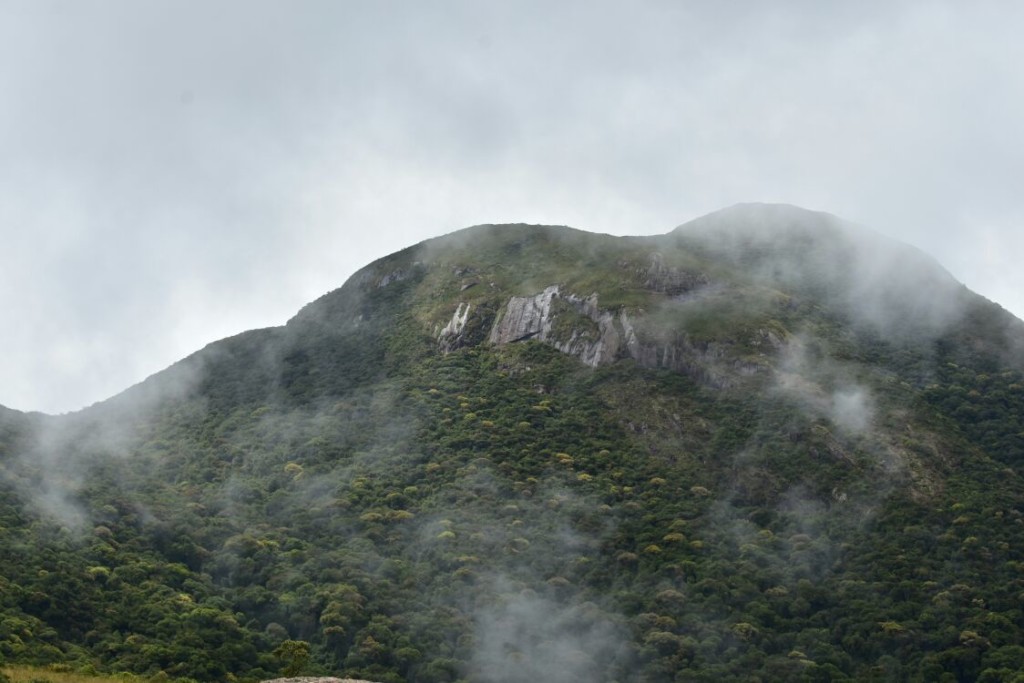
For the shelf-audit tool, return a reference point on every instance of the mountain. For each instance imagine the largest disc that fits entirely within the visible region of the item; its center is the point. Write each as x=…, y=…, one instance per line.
x=768, y=445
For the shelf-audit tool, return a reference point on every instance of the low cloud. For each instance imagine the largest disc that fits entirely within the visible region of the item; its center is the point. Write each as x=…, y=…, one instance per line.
x=526, y=638
x=852, y=409
x=823, y=387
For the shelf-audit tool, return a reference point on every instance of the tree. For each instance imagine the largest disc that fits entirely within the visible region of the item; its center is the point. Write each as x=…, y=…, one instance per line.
x=293, y=655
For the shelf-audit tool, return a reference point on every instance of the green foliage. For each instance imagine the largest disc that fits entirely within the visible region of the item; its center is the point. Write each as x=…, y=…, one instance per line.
x=338, y=496
x=294, y=654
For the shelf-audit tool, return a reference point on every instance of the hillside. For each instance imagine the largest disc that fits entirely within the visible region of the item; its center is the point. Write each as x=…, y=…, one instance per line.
x=767, y=445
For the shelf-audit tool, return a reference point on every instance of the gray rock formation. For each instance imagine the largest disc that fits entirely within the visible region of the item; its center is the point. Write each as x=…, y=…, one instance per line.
x=577, y=326
x=572, y=324
x=448, y=338
x=525, y=317
x=606, y=346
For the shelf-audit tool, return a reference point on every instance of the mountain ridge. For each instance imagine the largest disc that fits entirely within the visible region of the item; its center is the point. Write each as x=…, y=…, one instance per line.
x=754, y=222
x=926, y=308
x=525, y=451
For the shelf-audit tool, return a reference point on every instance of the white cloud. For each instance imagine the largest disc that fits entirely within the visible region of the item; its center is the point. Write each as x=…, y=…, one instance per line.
x=172, y=172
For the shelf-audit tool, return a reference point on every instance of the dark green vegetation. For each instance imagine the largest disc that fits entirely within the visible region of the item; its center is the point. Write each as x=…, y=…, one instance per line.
x=802, y=461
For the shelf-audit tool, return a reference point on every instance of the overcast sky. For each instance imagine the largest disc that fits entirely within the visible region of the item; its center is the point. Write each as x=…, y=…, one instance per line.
x=175, y=172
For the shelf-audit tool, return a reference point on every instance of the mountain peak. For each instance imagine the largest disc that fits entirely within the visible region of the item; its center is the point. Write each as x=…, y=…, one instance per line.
x=887, y=284
x=568, y=456
x=763, y=216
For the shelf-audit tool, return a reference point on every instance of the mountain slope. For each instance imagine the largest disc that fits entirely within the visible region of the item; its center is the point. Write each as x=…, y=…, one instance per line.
x=765, y=446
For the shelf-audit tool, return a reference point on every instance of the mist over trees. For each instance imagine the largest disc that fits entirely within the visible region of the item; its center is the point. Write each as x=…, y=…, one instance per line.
x=766, y=446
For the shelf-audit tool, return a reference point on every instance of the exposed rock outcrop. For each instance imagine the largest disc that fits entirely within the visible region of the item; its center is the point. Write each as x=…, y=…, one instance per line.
x=525, y=317
x=572, y=324
x=450, y=336
x=577, y=326
x=593, y=347
x=470, y=325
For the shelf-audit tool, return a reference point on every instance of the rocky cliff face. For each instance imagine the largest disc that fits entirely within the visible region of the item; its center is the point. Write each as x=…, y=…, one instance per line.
x=579, y=327
x=525, y=317
x=572, y=324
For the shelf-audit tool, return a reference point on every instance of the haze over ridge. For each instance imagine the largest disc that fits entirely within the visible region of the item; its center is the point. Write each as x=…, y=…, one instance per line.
x=171, y=176
x=870, y=266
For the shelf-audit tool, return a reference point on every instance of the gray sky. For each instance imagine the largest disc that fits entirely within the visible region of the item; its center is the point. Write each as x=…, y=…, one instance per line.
x=175, y=172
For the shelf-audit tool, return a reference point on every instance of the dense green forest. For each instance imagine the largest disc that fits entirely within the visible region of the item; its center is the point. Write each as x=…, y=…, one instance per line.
x=730, y=453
